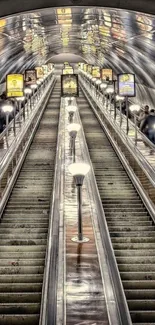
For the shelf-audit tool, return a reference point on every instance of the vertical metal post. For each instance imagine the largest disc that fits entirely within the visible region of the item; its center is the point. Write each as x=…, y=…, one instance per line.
x=120, y=112
x=115, y=111
x=79, y=198
x=7, y=123
x=24, y=110
x=110, y=102
x=14, y=120
x=135, y=122
x=127, y=115
x=73, y=150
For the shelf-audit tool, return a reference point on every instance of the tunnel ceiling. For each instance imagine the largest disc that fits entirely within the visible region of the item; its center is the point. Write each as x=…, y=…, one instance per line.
x=120, y=39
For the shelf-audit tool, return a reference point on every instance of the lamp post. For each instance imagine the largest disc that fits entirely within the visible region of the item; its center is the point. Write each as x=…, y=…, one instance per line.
x=73, y=128
x=39, y=87
x=134, y=109
x=79, y=171
x=20, y=100
x=71, y=110
x=28, y=92
x=120, y=99
x=7, y=109
x=109, y=91
x=33, y=87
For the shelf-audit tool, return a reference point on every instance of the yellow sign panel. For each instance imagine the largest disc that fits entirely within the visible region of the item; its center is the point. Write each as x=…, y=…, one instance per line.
x=106, y=74
x=64, y=11
x=69, y=85
x=15, y=85
x=96, y=72
x=68, y=70
x=40, y=72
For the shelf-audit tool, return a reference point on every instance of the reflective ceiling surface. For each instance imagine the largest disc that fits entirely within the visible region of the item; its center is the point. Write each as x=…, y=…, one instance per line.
x=116, y=38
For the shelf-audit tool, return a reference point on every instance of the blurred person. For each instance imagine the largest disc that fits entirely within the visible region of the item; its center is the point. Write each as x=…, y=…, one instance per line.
x=142, y=115
x=148, y=126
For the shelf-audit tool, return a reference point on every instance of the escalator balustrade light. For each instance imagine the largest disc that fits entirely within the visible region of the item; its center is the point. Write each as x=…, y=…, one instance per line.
x=71, y=109
x=134, y=108
x=73, y=128
x=119, y=98
x=103, y=85
x=93, y=79
x=110, y=90
x=79, y=169
x=7, y=108
x=27, y=91
x=33, y=86
x=20, y=99
x=98, y=82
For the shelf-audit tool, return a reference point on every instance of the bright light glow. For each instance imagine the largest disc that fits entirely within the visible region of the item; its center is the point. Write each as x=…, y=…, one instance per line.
x=103, y=85
x=73, y=127
x=41, y=79
x=77, y=169
x=93, y=79
x=20, y=99
x=109, y=90
x=98, y=82
x=7, y=108
x=120, y=98
x=134, y=107
x=38, y=82
x=33, y=86
x=71, y=109
x=28, y=91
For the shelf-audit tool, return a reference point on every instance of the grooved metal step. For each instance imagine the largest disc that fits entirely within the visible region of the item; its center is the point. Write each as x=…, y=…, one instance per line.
x=24, y=225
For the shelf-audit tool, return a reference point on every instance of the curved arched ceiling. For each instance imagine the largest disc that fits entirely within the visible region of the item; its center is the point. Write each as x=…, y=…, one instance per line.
x=120, y=39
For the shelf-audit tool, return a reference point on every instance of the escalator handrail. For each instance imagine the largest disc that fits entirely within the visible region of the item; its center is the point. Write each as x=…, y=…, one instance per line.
x=49, y=291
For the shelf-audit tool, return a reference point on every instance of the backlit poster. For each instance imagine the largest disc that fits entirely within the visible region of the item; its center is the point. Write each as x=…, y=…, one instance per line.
x=95, y=72
x=126, y=84
x=15, y=85
x=69, y=85
x=106, y=74
x=67, y=70
x=45, y=69
x=40, y=72
x=30, y=77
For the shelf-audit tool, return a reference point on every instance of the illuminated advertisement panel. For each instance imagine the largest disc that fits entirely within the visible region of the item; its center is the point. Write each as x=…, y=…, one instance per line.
x=85, y=67
x=106, y=74
x=45, y=69
x=126, y=84
x=15, y=85
x=40, y=72
x=67, y=70
x=69, y=85
x=96, y=72
x=30, y=77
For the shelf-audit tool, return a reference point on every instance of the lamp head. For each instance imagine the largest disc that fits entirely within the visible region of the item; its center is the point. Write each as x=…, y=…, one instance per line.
x=71, y=109
x=20, y=99
x=7, y=108
x=33, y=86
x=134, y=107
x=120, y=98
x=28, y=91
x=79, y=171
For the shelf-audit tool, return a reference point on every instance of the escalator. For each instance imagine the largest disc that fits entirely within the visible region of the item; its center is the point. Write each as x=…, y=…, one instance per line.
x=131, y=228
x=24, y=225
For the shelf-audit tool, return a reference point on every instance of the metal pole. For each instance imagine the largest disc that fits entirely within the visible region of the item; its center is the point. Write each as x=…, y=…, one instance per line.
x=73, y=149
x=24, y=110
x=110, y=102
x=135, y=121
x=127, y=115
x=79, y=197
x=7, y=123
x=115, y=111
x=120, y=111
x=14, y=120
x=19, y=106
